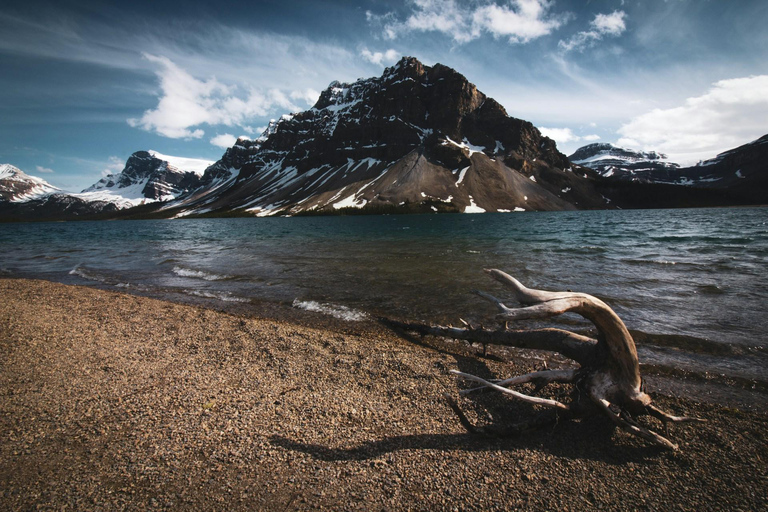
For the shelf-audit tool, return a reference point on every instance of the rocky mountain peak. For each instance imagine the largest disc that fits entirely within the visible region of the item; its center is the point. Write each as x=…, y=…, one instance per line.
x=145, y=177
x=424, y=130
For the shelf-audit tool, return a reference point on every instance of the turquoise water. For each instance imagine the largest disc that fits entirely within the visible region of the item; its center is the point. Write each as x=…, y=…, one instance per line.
x=698, y=273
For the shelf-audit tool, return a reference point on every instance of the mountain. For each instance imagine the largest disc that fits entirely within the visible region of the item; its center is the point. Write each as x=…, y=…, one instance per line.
x=417, y=138
x=625, y=164
x=735, y=177
x=17, y=186
x=148, y=176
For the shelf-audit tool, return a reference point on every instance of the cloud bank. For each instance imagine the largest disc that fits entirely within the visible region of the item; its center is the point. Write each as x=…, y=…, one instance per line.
x=731, y=113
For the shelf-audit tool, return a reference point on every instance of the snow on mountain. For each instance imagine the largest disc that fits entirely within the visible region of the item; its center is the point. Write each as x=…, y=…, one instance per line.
x=17, y=186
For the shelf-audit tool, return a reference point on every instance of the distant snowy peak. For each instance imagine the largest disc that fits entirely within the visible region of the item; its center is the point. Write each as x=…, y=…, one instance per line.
x=739, y=175
x=148, y=176
x=17, y=186
x=608, y=159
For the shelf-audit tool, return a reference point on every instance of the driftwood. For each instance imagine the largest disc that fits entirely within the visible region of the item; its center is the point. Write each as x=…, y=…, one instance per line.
x=608, y=380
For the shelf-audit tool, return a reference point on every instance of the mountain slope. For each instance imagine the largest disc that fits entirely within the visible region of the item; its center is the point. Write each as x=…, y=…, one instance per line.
x=418, y=137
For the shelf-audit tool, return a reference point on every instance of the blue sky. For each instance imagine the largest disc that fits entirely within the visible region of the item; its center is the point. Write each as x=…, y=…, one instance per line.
x=85, y=84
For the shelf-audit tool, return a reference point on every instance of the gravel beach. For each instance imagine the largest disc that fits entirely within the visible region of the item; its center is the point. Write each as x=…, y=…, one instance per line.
x=111, y=401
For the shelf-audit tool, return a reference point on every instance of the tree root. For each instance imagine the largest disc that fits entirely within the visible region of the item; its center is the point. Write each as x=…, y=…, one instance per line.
x=609, y=372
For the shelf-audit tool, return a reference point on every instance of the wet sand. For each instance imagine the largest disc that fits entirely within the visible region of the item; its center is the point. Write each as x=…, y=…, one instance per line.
x=112, y=401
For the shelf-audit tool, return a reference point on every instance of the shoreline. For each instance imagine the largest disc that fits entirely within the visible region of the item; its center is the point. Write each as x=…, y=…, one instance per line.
x=740, y=392
x=112, y=400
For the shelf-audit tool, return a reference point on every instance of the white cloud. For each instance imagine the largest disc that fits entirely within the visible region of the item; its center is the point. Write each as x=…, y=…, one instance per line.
x=610, y=24
x=731, y=113
x=591, y=138
x=380, y=58
x=188, y=102
x=44, y=170
x=528, y=20
x=603, y=25
x=518, y=20
x=224, y=140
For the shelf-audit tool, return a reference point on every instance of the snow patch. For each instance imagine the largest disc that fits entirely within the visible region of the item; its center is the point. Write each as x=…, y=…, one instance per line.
x=462, y=173
x=465, y=144
x=350, y=202
x=473, y=208
x=195, y=165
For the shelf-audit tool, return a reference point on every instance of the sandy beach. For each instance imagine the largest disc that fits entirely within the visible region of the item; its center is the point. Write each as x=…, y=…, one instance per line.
x=111, y=401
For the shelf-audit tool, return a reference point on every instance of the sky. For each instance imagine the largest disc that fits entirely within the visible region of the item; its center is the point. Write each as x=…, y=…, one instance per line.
x=85, y=84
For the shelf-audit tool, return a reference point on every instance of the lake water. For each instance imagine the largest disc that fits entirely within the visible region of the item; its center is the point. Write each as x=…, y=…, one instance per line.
x=699, y=275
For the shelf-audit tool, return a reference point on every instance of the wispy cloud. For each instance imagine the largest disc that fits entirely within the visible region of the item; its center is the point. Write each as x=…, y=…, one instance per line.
x=603, y=25
x=731, y=113
x=44, y=170
x=259, y=59
x=519, y=21
x=380, y=58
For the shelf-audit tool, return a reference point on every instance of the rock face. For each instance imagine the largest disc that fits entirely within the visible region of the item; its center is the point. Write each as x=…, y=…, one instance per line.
x=419, y=138
x=145, y=177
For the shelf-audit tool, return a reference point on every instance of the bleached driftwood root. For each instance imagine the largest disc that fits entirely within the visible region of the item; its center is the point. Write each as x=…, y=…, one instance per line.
x=608, y=377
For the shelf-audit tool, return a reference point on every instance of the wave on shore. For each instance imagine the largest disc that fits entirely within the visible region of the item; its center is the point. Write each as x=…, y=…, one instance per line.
x=334, y=310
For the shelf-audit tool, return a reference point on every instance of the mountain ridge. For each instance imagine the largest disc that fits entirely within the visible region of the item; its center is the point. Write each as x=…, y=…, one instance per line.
x=415, y=139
